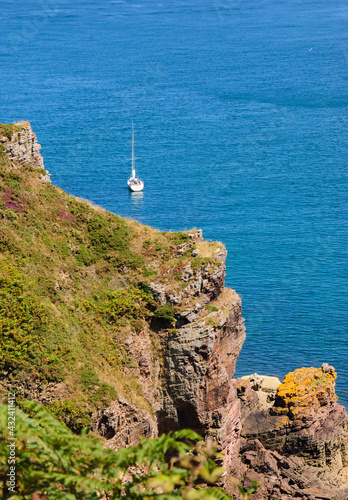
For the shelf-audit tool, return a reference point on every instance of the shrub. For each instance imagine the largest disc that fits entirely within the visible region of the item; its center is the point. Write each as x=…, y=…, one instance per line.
x=108, y=234
x=166, y=312
x=72, y=414
x=22, y=322
x=179, y=238
x=129, y=259
x=133, y=303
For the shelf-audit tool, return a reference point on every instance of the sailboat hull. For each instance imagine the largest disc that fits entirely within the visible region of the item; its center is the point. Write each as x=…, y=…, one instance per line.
x=136, y=187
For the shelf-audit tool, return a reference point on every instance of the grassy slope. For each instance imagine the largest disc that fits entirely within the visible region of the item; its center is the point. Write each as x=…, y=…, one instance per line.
x=73, y=284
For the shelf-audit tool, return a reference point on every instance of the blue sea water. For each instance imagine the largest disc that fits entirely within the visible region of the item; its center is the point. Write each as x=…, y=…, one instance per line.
x=240, y=111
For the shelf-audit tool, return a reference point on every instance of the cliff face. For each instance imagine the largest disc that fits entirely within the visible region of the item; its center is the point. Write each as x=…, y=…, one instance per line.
x=130, y=331
x=189, y=386
x=20, y=145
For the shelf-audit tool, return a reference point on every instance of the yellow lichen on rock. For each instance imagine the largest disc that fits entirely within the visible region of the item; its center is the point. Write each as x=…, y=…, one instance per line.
x=304, y=391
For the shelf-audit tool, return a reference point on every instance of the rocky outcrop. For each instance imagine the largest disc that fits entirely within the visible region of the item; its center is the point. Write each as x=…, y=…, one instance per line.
x=29, y=387
x=200, y=352
x=297, y=446
x=123, y=424
x=190, y=384
x=256, y=392
x=199, y=362
x=23, y=148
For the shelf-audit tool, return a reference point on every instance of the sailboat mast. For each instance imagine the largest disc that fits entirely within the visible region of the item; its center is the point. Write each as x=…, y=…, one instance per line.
x=133, y=159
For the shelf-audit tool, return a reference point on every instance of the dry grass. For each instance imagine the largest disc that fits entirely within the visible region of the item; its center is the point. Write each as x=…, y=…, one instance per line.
x=209, y=248
x=92, y=205
x=21, y=123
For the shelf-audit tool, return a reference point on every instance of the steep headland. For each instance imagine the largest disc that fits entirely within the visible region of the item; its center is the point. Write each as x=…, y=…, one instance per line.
x=130, y=332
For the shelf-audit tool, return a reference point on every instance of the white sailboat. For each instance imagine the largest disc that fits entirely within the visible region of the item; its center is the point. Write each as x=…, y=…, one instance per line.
x=134, y=183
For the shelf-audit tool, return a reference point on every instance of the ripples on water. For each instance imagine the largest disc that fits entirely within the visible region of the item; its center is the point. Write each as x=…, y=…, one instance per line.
x=240, y=111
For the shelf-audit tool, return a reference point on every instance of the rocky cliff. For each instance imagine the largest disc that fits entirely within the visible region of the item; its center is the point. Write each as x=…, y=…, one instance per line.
x=130, y=331
x=294, y=440
x=189, y=385
x=19, y=144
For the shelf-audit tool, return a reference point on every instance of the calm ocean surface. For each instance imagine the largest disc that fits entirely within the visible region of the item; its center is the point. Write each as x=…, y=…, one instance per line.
x=240, y=112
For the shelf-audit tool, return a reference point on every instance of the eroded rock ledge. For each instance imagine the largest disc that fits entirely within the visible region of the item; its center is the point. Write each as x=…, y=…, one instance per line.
x=297, y=445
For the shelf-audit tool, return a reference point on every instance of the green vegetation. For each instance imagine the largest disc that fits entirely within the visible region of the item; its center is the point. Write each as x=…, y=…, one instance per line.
x=72, y=414
x=166, y=313
x=71, y=303
x=70, y=291
x=212, y=322
x=98, y=393
x=8, y=129
x=179, y=238
x=54, y=463
x=149, y=272
x=198, y=262
x=210, y=307
x=24, y=327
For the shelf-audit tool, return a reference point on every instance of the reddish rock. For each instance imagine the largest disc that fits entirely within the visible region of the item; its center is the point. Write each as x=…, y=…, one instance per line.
x=123, y=424
x=297, y=447
x=199, y=363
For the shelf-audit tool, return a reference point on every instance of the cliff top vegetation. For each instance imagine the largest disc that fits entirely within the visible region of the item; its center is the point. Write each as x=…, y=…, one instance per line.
x=74, y=282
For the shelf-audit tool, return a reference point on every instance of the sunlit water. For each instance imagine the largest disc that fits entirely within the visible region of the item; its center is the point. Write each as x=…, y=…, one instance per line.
x=240, y=111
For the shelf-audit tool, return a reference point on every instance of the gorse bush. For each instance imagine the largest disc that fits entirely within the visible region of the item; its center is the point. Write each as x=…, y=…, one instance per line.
x=22, y=320
x=54, y=463
x=133, y=303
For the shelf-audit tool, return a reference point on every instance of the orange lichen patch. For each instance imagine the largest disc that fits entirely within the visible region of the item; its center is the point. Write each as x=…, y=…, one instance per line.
x=304, y=391
x=281, y=422
x=242, y=384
